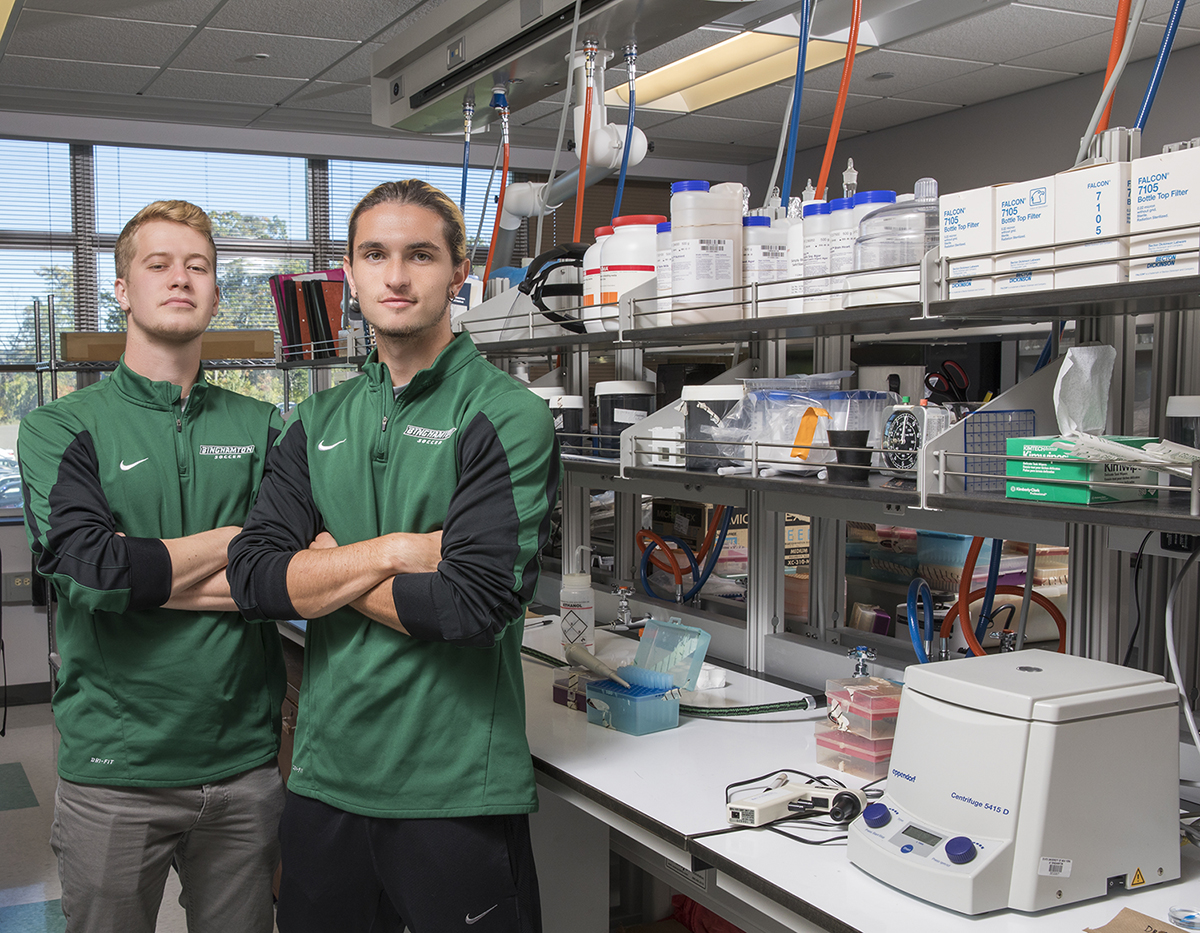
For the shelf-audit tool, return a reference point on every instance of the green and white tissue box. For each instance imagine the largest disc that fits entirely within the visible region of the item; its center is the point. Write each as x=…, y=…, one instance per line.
x=1034, y=480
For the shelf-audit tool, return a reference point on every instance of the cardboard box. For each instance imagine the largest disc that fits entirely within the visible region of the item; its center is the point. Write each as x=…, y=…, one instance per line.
x=82, y=346
x=1036, y=480
x=1160, y=255
x=1092, y=203
x=967, y=227
x=795, y=537
x=1024, y=216
x=687, y=521
x=1166, y=191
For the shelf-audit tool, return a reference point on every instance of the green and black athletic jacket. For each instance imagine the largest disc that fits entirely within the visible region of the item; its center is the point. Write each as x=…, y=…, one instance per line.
x=430, y=723
x=149, y=697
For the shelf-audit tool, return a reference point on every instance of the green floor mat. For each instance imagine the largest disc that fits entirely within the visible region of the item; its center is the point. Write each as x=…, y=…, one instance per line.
x=46, y=917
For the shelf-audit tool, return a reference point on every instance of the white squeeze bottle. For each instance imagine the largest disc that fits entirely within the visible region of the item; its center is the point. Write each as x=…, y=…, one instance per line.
x=577, y=606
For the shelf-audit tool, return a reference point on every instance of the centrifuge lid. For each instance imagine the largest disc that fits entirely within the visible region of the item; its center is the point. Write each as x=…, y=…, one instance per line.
x=1040, y=685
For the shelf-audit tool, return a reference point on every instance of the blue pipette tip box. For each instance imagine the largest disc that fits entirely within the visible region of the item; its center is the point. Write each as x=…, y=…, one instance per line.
x=669, y=659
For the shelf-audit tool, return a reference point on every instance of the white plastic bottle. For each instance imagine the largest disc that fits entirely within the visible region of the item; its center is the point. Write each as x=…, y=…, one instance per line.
x=706, y=251
x=662, y=267
x=816, y=255
x=842, y=233
x=764, y=260
x=591, y=281
x=629, y=259
x=577, y=606
x=795, y=265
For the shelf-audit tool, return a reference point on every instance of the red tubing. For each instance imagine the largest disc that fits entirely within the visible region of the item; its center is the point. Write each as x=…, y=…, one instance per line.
x=843, y=89
x=1003, y=590
x=487, y=270
x=643, y=536
x=583, y=154
x=1114, y=52
x=672, y=567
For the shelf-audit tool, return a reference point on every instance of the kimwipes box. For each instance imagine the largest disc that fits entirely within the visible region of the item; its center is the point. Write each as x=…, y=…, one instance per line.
x=1033, y=480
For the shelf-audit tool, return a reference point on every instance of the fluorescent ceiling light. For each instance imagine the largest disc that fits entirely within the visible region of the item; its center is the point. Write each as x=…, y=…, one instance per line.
x=728, y=69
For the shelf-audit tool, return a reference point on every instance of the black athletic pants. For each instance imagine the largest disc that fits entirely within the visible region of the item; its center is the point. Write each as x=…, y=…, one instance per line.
x=345, y=873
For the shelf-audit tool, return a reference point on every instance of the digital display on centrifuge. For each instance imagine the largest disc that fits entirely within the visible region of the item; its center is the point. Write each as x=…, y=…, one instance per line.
x=921, y=835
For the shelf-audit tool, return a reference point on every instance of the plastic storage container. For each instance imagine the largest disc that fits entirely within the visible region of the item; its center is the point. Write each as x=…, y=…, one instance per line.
x=705, y=406
x=577, y=610
x=896, y=235
x=843, y=231
x=662, y=265
x=816, y=255
x=592, y=314
x=866, y=706
x=568, y=417
x=764, y=260
x=862, y=410
x=795, y=265
x=629, y=259
x=854, y=754
x=706, y=251
x=669, y=658
x=620, y=404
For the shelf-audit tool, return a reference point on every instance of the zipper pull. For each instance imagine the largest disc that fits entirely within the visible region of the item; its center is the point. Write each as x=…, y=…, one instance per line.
x=384, y=428
x=179, y=423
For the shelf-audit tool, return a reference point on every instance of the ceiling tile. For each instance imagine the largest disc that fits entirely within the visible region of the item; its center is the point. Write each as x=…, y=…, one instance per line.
x=1086, y=56
x=354, y=69
x=345, y=19
x=880, y=114
x=769, y=104
x=1154, y=8
x=987, y=84
x=329, y=95
x=232, y=52
x=643, y=118
x=806, y=138
x=717, y=131
x=205, y=85
x=535, y=111
x=405, y=13
x=1189, y=17
x=1005, y=33
x=94, y=39
x=910, y=71
x=320, y=121
x=184, y=12
x=52, y=73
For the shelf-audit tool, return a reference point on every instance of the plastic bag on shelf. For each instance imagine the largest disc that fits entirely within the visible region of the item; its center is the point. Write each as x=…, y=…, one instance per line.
x=794, y=423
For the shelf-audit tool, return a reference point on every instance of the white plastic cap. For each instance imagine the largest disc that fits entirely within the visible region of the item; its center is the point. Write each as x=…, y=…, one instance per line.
x=925, y=189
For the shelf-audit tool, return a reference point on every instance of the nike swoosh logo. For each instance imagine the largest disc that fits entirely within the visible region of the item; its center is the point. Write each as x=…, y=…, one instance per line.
x=323, y=446
x=130, y=466
x=471, y=919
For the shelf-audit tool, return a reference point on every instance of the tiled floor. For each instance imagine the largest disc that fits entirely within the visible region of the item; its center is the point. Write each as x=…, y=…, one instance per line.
x=29, y=888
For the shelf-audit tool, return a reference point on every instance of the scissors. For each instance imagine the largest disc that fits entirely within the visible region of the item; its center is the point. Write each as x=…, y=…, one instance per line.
x=950, y=379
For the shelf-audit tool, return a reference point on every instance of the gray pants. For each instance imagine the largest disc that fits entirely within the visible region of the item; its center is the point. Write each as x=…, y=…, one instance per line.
x=115, y=846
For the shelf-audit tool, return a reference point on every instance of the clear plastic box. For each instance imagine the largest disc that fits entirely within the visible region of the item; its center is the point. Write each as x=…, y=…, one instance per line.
x=866, y=706
x=854, y=754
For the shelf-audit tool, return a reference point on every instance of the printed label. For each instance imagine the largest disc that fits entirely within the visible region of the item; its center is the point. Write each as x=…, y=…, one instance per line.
x=1054, y=867
x=702, y=263
x=226, y=453
x=627, y=415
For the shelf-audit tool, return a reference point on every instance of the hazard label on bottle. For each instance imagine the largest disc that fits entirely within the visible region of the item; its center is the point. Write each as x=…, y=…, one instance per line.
x=1137, y=879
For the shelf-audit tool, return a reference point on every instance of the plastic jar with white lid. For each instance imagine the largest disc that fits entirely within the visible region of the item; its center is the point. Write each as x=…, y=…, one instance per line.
x=591, y=281
x=795, y=265
x=842, y=233
x=764, y=260
x=629, y=259
x=816, y=255
x=619, y=404
x=706, y=251
x=568, y=417
x=662, y=266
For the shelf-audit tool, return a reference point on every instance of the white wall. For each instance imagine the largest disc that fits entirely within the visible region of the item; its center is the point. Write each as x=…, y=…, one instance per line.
x=26, y=644
x=1024, y=136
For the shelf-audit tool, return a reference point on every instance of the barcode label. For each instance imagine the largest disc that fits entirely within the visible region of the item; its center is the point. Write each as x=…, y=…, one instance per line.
x=1055, y=867
x=713, y=246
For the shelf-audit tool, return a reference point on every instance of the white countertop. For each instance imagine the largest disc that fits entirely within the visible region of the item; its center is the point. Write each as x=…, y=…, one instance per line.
x=673, y=784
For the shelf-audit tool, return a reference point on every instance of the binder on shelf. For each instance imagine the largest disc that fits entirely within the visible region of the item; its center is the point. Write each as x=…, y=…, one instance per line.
x=304, y=317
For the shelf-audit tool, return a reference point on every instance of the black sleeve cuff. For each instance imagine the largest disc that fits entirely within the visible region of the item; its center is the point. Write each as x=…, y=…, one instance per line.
x=416, y=602
x=149, y=573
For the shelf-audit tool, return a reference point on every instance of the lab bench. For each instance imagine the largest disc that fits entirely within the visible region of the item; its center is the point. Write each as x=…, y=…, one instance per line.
x=654, y=798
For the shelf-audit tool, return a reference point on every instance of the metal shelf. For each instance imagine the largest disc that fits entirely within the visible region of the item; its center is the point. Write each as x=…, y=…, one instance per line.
x=1150, y=296
x=332, y=362
x=107, y=366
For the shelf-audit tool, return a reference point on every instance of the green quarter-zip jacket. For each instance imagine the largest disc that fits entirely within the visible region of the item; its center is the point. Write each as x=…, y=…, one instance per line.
x=429, y=723
x=147, y=696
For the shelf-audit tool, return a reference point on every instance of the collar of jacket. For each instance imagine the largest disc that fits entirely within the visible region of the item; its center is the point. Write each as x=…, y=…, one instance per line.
x=457, y=354
x=150, y=394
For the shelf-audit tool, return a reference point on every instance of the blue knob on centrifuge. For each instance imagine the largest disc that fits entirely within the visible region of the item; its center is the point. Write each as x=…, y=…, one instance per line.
x=876, y=815
x=960, y=850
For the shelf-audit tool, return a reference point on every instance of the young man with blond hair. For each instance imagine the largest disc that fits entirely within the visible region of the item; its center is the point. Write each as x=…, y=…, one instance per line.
x=404, y=513
x=168, y=702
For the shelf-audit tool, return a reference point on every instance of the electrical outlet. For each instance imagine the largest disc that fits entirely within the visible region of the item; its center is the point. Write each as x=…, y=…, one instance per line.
x=17, y=588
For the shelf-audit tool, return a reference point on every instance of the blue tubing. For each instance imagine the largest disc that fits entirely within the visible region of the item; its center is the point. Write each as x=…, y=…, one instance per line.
x=1160, y=63
x=462, y=198
x=646, y=563
x=794, y=122
x=989, y=593
x=625, y=155
x=921, y=588
x=713, y=556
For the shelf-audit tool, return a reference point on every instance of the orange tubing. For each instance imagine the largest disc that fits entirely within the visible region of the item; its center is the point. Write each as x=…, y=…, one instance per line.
x=1002, y=590
x=583, y=154
x=643, y=536
x=1114, y=52
x=843, y=89
x=487, y=270
x=663, y=565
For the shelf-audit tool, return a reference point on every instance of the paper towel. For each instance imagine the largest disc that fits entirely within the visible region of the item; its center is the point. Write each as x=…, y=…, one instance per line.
x=1081, y=392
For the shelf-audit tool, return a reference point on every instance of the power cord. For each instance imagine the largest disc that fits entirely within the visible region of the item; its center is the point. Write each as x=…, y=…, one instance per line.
x=1137, y=603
